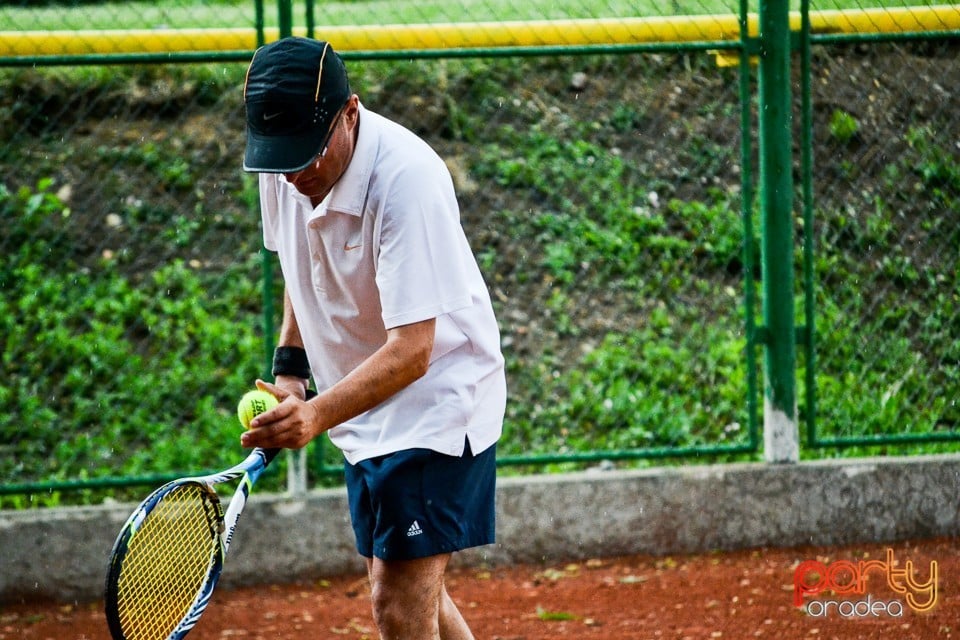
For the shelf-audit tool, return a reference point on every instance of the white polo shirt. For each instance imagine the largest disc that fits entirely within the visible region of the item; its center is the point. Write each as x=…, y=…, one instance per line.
x=384, y=249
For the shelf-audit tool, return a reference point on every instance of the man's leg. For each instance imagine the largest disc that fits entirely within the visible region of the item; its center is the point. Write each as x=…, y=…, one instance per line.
x=410, y=601
x=452, y=624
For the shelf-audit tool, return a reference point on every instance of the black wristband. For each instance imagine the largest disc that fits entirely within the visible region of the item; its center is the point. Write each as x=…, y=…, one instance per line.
x=291, y=361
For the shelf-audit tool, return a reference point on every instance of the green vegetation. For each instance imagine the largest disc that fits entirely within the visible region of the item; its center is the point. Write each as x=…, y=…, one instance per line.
x=240, y=13
x=843, y=126
x=894, y=371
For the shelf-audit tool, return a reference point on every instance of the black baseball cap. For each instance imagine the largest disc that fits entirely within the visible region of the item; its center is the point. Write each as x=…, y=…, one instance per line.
x=295, y=87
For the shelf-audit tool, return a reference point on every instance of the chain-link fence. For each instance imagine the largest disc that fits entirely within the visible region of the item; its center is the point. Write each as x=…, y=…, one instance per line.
x=603, y=187
x=885, y=242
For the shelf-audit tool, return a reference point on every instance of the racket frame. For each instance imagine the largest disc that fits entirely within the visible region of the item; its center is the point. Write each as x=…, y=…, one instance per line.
x=251, y=468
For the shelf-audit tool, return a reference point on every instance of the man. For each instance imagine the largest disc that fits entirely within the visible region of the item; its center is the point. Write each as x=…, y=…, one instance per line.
x=386, y=304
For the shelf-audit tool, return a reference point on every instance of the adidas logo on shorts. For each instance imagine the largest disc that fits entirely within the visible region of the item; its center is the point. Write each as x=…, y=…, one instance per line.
x=414, y=529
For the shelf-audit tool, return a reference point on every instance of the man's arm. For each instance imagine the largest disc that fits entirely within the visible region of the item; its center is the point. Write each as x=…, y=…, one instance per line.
x=290, y=337
x=402, y=360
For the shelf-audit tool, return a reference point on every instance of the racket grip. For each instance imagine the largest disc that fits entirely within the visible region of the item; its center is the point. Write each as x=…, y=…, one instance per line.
x=270, y=454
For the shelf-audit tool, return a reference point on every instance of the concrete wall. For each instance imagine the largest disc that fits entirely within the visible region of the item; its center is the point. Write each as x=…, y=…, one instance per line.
x=63, y=553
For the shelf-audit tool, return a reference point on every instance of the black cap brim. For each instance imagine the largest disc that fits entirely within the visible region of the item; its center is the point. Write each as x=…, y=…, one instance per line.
x=281, y=154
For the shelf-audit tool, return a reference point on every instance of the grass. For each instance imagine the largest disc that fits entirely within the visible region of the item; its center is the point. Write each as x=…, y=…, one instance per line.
x=233, y=14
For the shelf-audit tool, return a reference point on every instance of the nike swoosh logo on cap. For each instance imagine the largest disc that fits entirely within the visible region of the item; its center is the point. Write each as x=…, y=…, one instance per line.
x=271, y=116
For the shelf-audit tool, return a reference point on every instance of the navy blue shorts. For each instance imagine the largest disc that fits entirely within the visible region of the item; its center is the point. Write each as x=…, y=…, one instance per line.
x=419, y=503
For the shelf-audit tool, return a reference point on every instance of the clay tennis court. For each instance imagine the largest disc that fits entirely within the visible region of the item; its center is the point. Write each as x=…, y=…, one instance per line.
x=743, y=594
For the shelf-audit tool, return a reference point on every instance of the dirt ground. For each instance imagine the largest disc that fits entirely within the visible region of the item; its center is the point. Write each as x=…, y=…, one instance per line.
x=743, y=594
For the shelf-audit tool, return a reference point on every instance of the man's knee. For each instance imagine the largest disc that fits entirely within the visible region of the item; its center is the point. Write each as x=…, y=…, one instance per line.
x=404, y=613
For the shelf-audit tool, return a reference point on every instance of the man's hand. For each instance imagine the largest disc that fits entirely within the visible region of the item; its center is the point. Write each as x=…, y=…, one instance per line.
x=290, y=425
x=293, y=385
x=401, y=361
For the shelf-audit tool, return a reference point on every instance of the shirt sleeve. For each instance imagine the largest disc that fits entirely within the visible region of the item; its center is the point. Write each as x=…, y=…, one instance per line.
x=422, y=265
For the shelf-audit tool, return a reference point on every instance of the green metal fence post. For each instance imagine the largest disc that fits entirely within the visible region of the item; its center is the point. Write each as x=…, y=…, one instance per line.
x=259, y=22
x=780, y=431
x=808, y=348
x=311, y=18
x=269, y=330
x=285, y=20
x=285, y=17
x=747, y=203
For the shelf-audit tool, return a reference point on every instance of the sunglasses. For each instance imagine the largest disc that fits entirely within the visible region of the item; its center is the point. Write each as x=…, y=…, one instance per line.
x=333, y=128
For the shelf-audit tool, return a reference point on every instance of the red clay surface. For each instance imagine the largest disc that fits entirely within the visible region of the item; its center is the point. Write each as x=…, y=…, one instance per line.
x=744, y=594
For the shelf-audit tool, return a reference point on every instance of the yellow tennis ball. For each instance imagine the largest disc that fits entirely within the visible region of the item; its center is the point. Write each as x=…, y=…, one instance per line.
x=252, y=404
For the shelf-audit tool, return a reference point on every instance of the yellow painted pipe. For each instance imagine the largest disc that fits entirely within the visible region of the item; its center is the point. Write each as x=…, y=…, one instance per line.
x=944, y=17
x=95, y=42
x=535, y=33
x=379, y=37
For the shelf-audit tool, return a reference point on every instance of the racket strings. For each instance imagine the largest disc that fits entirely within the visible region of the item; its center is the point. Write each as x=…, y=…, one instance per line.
x=167, y=563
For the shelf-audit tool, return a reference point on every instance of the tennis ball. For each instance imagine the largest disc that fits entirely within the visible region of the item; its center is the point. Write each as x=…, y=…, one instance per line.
x=252, y=404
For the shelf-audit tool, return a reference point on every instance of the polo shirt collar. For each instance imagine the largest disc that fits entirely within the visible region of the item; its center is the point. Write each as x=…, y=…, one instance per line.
x=350, y=192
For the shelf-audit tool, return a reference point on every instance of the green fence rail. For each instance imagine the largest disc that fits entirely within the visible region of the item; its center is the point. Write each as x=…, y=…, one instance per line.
x=672, y=238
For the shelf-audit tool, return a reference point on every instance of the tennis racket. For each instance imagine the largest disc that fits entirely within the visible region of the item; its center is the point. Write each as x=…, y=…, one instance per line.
x=168, y=556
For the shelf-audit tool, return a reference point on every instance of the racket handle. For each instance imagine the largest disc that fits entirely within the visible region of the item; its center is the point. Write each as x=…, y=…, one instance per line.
x=270, y=454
